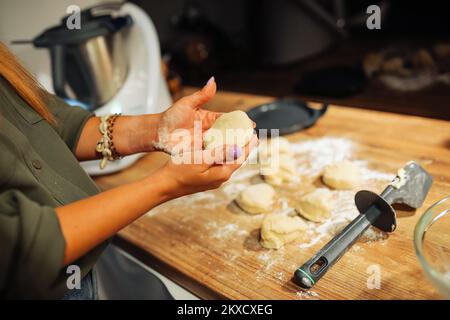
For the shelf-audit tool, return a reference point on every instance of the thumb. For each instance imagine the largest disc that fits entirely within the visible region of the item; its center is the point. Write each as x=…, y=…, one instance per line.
x=200, y=97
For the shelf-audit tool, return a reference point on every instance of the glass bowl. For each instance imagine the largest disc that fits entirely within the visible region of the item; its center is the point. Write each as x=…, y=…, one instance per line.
x=432, y=245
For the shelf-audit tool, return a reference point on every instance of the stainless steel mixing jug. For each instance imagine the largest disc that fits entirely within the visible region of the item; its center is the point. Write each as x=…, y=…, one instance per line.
x=88, y=64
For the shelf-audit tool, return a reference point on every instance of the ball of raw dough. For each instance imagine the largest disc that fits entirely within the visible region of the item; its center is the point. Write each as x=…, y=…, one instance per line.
x=316, y=206
x=273, y=146
x=233, y=128
x=342, y=175
x=277, y=165
x=278, y=230
x=257, y=198
x=279, y=171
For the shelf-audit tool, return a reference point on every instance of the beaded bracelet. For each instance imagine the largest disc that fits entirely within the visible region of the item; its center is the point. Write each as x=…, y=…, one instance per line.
x=105, y=147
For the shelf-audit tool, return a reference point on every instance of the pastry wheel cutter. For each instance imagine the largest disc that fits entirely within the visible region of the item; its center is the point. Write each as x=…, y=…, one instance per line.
x=409, y=187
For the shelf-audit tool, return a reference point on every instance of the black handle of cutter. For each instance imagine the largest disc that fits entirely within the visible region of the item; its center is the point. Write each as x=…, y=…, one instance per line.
x=309, y=273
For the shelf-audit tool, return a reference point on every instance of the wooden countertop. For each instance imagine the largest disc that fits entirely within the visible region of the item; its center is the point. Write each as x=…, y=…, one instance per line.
x=178, y=243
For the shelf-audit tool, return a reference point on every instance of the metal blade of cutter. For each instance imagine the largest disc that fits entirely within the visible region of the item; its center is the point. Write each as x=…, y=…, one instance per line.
x=410, y=187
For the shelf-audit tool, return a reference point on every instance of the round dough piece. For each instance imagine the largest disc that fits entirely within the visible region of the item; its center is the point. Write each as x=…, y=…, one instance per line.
x=278, y=173
x=316, y=206
x=277, y=230
x=342, y=175
x=233, y=128
x=258, y=198
x=269, y=148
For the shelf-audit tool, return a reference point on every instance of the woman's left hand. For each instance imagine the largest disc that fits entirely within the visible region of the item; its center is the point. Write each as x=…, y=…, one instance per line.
x=177, y=130
x=181, y=127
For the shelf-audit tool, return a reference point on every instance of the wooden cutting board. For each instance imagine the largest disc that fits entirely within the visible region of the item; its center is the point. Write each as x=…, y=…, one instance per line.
x=207, y=245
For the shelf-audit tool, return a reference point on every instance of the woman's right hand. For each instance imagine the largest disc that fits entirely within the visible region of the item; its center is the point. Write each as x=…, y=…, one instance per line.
x=202, y=170
x=88, y=222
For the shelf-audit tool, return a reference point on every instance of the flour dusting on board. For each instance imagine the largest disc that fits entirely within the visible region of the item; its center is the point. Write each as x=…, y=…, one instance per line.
x=319, y=153
x=307, y=294
x=227, y=230
x=229, y=224
x=342, y=214
x=315, y=156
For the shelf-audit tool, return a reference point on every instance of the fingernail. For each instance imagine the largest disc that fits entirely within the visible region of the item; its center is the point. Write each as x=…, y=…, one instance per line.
x=210, y=81
x=237, y=152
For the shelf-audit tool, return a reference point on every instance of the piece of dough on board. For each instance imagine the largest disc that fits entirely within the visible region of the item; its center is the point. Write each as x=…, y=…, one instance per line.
x=255, y=199
x=316, y=206
x=277, y=164
x=342, y=175
x=270, y=147
x=277, y=172
x=278, y=229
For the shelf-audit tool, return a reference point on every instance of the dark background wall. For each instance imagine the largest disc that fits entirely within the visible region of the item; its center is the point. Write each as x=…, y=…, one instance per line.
x=269, y=47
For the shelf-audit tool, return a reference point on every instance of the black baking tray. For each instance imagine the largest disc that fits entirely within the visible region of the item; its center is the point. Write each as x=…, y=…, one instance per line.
x=286, y=115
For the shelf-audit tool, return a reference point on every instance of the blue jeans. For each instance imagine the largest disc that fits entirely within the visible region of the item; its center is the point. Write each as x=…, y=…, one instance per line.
x=88, y=290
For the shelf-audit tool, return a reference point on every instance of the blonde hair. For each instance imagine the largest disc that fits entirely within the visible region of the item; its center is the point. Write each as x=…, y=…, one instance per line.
x=24, y=83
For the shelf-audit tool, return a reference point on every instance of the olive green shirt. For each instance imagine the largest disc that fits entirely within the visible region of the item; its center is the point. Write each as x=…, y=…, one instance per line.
x=38, y=172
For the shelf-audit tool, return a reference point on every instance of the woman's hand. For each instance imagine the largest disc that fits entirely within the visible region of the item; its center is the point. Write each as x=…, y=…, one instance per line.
x=177, y=130
x=172, y=131
x=88, y=222
x=202, y=170
x=181, y=127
